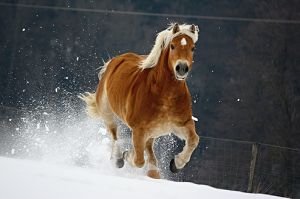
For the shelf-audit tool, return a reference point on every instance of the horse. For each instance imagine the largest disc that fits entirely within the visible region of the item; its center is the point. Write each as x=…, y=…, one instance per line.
x=149, y=94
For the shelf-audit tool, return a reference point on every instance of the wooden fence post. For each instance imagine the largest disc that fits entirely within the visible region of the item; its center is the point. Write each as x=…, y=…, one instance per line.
x=252, y=166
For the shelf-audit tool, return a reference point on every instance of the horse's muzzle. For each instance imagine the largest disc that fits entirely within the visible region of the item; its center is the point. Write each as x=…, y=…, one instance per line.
x=181, y=71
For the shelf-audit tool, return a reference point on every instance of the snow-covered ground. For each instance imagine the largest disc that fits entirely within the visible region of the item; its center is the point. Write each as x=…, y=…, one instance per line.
x=22, y=179
x=67, y=156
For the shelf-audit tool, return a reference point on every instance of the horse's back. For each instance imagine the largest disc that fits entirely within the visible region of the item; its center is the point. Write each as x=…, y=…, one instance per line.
x=123, y=63
x=122, y=69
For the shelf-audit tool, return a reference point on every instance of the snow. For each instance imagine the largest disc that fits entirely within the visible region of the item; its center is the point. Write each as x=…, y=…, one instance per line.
x=12, y=151
x=70, y=158
x=21, y=179
x=194, y=118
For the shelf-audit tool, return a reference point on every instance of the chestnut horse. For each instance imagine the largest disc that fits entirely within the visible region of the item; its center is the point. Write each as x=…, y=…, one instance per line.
x=150, y=95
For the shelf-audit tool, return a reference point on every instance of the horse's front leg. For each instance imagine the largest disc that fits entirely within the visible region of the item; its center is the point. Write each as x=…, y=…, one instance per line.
x=136, y=156
x=152, y=162
x=191, y=138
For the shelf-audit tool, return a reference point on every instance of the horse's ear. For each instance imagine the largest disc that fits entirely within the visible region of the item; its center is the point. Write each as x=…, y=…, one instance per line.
x=193, y=28
x=176, y=28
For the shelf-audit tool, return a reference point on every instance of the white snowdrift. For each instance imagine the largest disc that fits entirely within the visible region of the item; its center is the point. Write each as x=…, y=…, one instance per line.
x=21, y=179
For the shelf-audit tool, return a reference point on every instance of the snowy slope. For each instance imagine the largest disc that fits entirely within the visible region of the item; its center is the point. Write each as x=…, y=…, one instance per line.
x=22, y=179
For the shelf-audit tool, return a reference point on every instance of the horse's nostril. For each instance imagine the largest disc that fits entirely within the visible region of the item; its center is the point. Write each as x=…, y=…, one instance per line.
x=186, y=69
x=177, y=68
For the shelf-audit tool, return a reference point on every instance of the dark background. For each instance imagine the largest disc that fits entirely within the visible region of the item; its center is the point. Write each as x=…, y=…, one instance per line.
x=245, y=81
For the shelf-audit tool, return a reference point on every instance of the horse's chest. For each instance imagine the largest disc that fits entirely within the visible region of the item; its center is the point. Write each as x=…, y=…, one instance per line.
x=168, y=114
x=160, y=113
x=171, y=108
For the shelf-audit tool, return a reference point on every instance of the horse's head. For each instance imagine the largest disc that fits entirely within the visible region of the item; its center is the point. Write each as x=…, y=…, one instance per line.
x=181, y=51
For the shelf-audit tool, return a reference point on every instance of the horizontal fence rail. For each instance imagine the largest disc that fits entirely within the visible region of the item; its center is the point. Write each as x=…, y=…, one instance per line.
x=151, y=14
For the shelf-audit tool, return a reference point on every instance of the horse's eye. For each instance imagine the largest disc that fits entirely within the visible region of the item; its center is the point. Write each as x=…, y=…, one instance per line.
x=172, y=46
x=193, y=49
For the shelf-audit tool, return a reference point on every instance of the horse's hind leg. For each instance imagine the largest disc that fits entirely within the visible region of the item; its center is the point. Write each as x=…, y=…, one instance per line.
x=108, y=118
x=152, y=163
x=116, y=152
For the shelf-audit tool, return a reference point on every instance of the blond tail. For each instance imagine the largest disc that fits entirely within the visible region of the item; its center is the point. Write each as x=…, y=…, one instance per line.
x=91, y=106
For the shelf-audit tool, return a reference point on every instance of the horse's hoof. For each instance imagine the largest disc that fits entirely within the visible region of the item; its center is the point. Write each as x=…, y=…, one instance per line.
x=120, y=163
x=153, y=174
x=173, y=167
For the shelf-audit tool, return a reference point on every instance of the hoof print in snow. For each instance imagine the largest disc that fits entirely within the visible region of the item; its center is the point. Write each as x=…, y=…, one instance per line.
x=173, y=167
